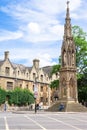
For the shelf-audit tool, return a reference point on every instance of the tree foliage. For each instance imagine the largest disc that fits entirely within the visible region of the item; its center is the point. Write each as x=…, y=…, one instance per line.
x=82, y=94
x=22, y=97
x=82, y=86
x=80, y=39
x=55, y=69
x=17, y=97
x=54, y=84
x=2, y=96
x=81, y=48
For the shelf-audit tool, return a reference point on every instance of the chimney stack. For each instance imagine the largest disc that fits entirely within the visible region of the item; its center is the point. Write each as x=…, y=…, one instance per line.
x=36, y=63
x=6, y=54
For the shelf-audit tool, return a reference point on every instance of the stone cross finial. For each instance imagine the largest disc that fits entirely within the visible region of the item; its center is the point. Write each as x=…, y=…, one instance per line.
x=67, y=4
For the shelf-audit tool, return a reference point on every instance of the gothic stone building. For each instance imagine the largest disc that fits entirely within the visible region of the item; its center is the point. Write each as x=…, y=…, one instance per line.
x=16, y=75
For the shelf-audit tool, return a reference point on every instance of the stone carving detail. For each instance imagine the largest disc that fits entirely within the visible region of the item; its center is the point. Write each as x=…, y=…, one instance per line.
x=64, y=58
x=71, y=87
x=63, y=87
x=73, y=59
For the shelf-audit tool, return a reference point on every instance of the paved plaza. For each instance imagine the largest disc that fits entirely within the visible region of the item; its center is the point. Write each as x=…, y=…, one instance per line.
x=43, y=121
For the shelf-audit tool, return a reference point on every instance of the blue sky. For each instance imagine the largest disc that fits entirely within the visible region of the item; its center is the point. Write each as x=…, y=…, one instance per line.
x=32, y=29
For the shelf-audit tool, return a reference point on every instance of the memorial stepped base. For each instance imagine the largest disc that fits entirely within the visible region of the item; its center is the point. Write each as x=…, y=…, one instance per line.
x=68, y=107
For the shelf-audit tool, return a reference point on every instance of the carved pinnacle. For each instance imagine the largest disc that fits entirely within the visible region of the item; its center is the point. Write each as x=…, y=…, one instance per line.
x=68, y=3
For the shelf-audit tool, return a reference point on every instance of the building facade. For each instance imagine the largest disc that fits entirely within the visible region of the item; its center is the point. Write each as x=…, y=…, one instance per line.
x=16, y=75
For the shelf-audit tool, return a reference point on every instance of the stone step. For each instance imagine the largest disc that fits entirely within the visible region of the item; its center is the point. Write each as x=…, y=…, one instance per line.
x=68, y=107
x=55, y=107
x=75, y=107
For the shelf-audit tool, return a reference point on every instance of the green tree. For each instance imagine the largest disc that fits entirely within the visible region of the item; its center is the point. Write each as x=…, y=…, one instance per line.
x=27, y=97
x=81, y=48
x=54, y=84
x=55, y=70
x=82, y=86
x=20, y=97
x=81, y=61
x=2, y=96
x=9, y=95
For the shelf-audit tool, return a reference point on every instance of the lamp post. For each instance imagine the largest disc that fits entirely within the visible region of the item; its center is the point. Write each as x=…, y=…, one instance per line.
x=35, y=106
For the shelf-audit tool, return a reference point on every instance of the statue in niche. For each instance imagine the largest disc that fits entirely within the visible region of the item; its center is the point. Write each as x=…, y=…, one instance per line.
x=73, y=60
x=64, y=59
x=64, y=87
x=71, y=88
x=69, y=55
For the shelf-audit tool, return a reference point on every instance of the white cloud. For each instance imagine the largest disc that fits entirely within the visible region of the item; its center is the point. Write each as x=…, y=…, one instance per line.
x=35, y=32
x=75, y=4
x=45, y=55
x=39, y=18
x=8, y=35
x=46, y=59
x=34, y=28
x=40, y=22
x=57, y=30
